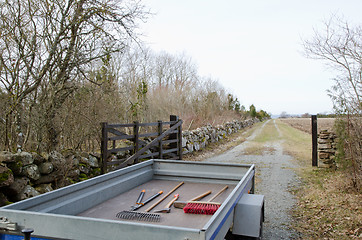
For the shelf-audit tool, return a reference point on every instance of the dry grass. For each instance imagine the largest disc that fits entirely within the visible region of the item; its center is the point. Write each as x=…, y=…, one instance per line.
x=259, y=145
x=304, y=124
x=296, y=143
x=327, y=207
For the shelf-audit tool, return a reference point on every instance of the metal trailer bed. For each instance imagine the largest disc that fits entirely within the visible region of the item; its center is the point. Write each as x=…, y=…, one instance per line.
x=87, y=210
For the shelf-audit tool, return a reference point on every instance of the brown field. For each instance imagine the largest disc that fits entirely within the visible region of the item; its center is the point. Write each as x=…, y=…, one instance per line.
x=304, y=124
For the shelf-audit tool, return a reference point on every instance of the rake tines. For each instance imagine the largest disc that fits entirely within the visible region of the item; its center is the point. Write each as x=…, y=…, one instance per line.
x=139, y=216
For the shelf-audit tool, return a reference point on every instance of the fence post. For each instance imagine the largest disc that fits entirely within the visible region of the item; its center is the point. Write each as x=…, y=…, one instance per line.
x=179, y=133
x=104, y=147
x=314, y=141
x=177, y=136
x=173, y=118
x=136, y=139
x=160, y=147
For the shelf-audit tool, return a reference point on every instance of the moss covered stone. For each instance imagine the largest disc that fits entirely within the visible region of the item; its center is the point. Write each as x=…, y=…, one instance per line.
x=16, y=167
x=6, y=176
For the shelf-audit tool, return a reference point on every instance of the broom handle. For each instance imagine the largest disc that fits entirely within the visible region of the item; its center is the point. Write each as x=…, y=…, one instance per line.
x=164, y=197
x=201, y=196
x=217, y=194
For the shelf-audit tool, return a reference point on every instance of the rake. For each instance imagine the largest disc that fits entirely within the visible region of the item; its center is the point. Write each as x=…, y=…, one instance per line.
x=140, y=216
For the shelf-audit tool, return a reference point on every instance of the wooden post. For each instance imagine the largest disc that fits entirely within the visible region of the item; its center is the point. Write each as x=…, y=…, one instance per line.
x=173, y=118
x=160, y=147
x=314, y=141
x=136, y=139
x=179, y=135
x=104, y=147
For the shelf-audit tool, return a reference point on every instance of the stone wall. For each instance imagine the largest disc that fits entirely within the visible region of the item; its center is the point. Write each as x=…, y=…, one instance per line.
x=199, y=138
x=24, y=175
x=327, y=147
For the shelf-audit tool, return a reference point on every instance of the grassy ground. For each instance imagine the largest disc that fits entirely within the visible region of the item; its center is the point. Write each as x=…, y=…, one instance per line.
x=259, y=144
x=327, y=208
x=296, y=143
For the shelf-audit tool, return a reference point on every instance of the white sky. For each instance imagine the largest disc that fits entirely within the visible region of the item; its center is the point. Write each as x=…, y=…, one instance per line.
x=253, y=48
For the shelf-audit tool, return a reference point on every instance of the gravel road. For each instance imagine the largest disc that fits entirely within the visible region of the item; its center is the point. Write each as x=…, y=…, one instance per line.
x=274, y=177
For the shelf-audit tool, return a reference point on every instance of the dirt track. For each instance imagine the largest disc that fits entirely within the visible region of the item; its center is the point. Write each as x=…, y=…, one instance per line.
x=275, y=177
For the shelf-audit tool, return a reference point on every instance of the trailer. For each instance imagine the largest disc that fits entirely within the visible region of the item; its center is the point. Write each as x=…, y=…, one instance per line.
x=87, y=210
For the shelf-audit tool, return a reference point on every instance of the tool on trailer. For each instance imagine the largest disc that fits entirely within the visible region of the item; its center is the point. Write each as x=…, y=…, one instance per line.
x=164, y=197
x=207, y=208
x=141, y=216
x=182, y=204
x=140, y=197
x=167, y=208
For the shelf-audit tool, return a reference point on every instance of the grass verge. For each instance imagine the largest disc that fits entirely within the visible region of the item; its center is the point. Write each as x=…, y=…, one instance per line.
x=327, y=208
x=296, y=143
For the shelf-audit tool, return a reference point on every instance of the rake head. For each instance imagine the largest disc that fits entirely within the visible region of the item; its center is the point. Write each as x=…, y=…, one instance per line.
x=139, y=216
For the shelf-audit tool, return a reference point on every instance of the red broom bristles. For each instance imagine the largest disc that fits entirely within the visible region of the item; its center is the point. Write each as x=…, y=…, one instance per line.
x=208, y=208
x=201, y=208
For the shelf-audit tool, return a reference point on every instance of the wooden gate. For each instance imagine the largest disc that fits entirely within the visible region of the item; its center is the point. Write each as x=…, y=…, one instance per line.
x=166, y=142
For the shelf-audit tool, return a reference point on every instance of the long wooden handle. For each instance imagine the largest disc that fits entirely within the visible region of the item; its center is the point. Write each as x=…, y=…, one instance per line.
x=164, y=197
x=217, y=194
x=201, y=196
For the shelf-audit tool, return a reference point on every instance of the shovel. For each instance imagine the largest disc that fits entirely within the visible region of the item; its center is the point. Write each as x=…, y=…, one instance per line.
x=167, y=208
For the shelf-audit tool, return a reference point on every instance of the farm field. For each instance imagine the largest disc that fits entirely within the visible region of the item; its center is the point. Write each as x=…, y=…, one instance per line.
x=304, y=124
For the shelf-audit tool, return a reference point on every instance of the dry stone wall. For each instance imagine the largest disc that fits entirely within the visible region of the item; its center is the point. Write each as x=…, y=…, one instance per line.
x=199, y=138
x=327, y=148
x=24, y=175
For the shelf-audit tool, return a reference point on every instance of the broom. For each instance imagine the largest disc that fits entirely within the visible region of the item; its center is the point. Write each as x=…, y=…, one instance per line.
x=208, y=208
x=182, y=204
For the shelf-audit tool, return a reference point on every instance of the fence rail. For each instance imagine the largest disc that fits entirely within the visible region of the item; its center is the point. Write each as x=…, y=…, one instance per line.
x=166, y=142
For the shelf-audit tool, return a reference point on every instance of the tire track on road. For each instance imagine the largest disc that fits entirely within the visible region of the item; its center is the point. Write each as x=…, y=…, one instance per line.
x=275, y=176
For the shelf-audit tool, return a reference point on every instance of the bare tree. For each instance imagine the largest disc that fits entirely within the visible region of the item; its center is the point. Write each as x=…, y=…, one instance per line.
x=46, y=45
x=340, y=46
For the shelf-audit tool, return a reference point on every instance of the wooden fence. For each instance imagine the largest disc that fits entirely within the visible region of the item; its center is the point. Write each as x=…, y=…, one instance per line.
x=166, y=141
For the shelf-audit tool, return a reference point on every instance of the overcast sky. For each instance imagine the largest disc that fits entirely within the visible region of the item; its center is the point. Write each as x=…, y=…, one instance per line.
x=253, y=48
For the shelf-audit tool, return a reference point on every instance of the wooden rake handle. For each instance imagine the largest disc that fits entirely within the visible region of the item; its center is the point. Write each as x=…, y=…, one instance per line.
x=164, y=197
x=217, y=194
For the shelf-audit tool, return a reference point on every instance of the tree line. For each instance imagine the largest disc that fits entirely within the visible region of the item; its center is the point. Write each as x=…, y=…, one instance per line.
x=67, y=66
